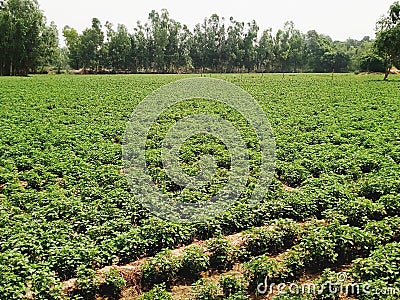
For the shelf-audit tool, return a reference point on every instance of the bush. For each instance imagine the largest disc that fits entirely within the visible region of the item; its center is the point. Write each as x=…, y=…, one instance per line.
x=15, y=274
x=325, y=245
x=376, y=186
x=360, y=211
x=271, y=241
x=318, y=247
x=87, y=282
x=264, y=267
x=222, y=254
x=114, y=282
x=238, y=296
x=328, y=292
x=372, y=63
x=206, y=290
x=164, y=267
x=193, y=262
x=293, y=260
x=292, y=174
x=156, y=293
x=383, y=264
x=384, y=231
x=231, y=285
x=391, y=204
x=380, y=290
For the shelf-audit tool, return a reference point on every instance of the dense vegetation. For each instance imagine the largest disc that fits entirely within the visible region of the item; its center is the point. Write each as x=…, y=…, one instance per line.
x=26, y=42
x=388, y=37
x=70, y=228
x=163, y=45
x=66, y=208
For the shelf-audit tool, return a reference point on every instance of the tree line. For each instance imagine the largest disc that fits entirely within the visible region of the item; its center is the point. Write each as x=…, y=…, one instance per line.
x=164, y=45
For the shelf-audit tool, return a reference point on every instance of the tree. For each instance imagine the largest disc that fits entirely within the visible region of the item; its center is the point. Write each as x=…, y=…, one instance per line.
x=118, y=48
x=61, y=59
x=289, y=48
x=234, y=46
x=336, y=60
x=319, y=51
x=90, y=47
x=49, y=45
x=164, y=45
x=387, y=41
x=249, y=44
x=265, y=51
x=371, y=62
x=22, y=34
x=140, y=48
x=73, y=42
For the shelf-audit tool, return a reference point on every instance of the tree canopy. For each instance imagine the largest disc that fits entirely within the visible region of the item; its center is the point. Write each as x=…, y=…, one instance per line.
x=387, y=41
x=163, y=45
x=25, y=40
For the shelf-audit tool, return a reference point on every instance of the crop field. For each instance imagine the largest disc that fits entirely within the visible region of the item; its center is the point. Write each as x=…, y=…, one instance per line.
x=70, y=228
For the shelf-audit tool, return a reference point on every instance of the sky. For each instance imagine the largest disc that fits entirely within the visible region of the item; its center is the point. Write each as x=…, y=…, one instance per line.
x=340, y=19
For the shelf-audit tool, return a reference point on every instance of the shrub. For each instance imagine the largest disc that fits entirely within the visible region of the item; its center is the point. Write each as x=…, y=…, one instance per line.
x=193, y=262
x=231, y=285
x=372, y=63
x=272, y=241
x=262, y=267
x=383, y=264
x=113, y=283
x=391, y=204
x=87, y=282
x=238, y=296
x=360, y=211
x=206, y=290
x=376, y=186
x=158, y=292
x=221, y=253
x=293, y=174
x=164, y=267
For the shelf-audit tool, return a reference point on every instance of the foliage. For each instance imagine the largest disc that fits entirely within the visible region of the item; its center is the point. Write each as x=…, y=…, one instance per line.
x=231, y=286
x=206, y=290
x=156, y=293
x=113, y=283
x=221, y=253
x=87, y=282
x=164, y=45
x=266, y=241
x=164, y=267
x=25, y=39
x=382, y=264
x=193, y=262
x=387, y=41
x=65, y=204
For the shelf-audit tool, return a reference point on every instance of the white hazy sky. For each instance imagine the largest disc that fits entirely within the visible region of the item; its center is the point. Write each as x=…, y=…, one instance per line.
x=339, y=19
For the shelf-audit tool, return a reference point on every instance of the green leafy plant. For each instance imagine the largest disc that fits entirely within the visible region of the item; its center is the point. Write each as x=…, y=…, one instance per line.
x=87, y=282
x=113, y=282
x=231, y=285
x=193, y=261
x=164, y=267
x=158, y=292
x=206, y=290
x=221, y=253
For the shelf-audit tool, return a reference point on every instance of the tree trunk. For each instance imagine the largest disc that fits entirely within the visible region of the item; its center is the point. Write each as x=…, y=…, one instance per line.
x=387, y=73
